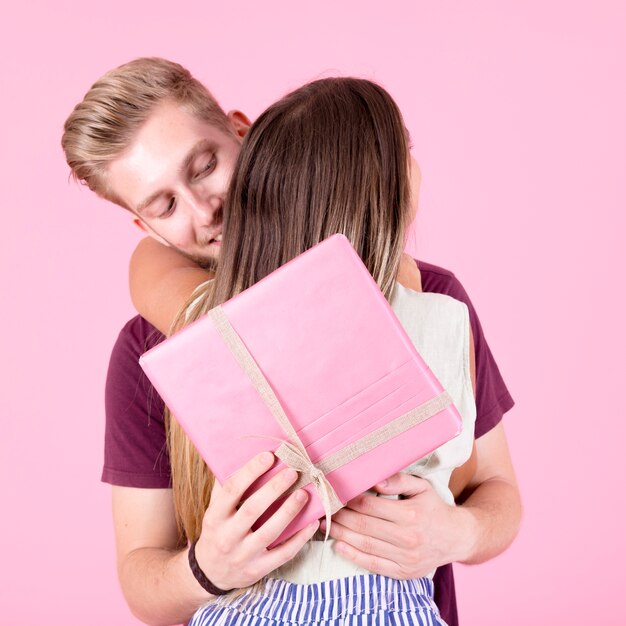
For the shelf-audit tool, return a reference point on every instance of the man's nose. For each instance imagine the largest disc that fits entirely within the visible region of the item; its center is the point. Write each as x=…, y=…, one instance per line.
x=206, y=209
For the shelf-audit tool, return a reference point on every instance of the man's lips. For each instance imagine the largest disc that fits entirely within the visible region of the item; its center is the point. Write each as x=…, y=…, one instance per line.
x=216, y=241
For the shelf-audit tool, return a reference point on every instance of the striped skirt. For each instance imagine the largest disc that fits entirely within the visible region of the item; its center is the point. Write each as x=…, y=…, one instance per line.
x=366, y=600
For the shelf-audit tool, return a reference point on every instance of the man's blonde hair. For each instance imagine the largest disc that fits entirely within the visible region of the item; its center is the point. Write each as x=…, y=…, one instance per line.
x=104, y=124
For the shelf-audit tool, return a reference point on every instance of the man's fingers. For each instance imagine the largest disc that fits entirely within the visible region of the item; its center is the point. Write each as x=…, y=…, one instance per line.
x=402, y=484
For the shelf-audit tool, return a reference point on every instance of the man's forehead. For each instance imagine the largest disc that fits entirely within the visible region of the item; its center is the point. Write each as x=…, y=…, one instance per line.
x=163, y=147
x=172, y=130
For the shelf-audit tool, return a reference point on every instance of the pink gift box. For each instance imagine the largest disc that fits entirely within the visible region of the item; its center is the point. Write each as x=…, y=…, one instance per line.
x=335, y=356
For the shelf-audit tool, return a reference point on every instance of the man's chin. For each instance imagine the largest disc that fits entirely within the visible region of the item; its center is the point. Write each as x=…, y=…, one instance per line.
x=206, y=261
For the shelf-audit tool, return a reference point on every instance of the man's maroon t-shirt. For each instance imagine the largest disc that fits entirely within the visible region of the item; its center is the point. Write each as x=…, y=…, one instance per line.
x=135, y=451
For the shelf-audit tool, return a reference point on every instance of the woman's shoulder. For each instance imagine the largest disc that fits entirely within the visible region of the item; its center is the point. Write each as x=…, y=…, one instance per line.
x=426, y=304
x=438, y=326
x=432, y=320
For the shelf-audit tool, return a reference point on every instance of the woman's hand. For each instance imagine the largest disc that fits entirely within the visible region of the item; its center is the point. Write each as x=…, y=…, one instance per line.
x=228, y=551
x=410, y=537
x=400, y=538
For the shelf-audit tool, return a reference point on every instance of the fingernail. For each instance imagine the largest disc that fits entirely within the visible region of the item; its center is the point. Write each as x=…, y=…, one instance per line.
x=289, y=475
x=300, y=495
x=382, y=484
x=266, y=458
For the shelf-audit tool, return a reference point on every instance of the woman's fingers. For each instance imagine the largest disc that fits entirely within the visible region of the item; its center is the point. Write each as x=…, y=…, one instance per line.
x=274, y=526
x=364, y=524
x=374, y=563
x=257, y=503
x=225, y=500
x=287, y=550
x=226, y=507
x=365, y=543
x=235, y=555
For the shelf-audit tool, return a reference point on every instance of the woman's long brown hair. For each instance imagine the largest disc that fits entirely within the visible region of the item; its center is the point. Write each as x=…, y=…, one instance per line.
x=330, y=157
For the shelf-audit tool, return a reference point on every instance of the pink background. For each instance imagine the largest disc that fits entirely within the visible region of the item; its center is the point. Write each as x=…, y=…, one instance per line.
x=518, y=116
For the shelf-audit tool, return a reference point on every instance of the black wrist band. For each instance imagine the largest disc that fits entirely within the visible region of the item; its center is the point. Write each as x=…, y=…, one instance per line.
x=200, y=576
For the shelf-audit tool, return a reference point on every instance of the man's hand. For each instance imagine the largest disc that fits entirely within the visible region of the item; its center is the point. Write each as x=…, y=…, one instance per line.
x=402, y=539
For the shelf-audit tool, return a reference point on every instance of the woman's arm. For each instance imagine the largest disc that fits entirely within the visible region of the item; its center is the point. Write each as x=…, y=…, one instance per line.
x=162, y=281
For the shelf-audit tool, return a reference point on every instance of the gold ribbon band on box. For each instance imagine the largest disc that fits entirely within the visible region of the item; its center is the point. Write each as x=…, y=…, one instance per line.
x=292, y=452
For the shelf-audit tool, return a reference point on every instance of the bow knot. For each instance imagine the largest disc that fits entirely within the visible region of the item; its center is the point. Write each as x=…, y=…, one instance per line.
x=297, y=458
x=317, y=475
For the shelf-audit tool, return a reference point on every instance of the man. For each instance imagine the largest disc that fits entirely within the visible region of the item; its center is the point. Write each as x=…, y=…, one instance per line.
x=150, y=138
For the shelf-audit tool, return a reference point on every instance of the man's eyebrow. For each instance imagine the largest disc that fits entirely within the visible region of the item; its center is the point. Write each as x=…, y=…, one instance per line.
x=202, y=145
x=148, y=201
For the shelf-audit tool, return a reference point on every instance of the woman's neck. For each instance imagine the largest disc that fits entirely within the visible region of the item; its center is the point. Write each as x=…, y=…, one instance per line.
x=408, y=274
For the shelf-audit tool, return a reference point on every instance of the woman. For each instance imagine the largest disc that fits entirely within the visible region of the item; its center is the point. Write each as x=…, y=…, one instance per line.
x=331, y=157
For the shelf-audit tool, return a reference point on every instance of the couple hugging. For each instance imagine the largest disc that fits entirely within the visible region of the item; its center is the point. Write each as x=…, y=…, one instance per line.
x=331, y=157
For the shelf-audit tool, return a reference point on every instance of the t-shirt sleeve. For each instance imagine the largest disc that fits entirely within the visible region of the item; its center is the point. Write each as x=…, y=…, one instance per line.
x=135, y=451
x=493, y=399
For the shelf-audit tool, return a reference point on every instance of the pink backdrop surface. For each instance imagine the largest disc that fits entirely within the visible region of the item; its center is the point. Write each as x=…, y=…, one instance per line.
x=517, y=116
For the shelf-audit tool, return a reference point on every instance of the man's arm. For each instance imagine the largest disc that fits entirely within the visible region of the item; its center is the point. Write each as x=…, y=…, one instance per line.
x=492, y=499
x=153, y=568
x=152, y=561
x=409, y=538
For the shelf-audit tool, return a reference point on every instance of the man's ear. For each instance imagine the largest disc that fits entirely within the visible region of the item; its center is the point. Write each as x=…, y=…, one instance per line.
x=240, y=123
x=146, y=229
